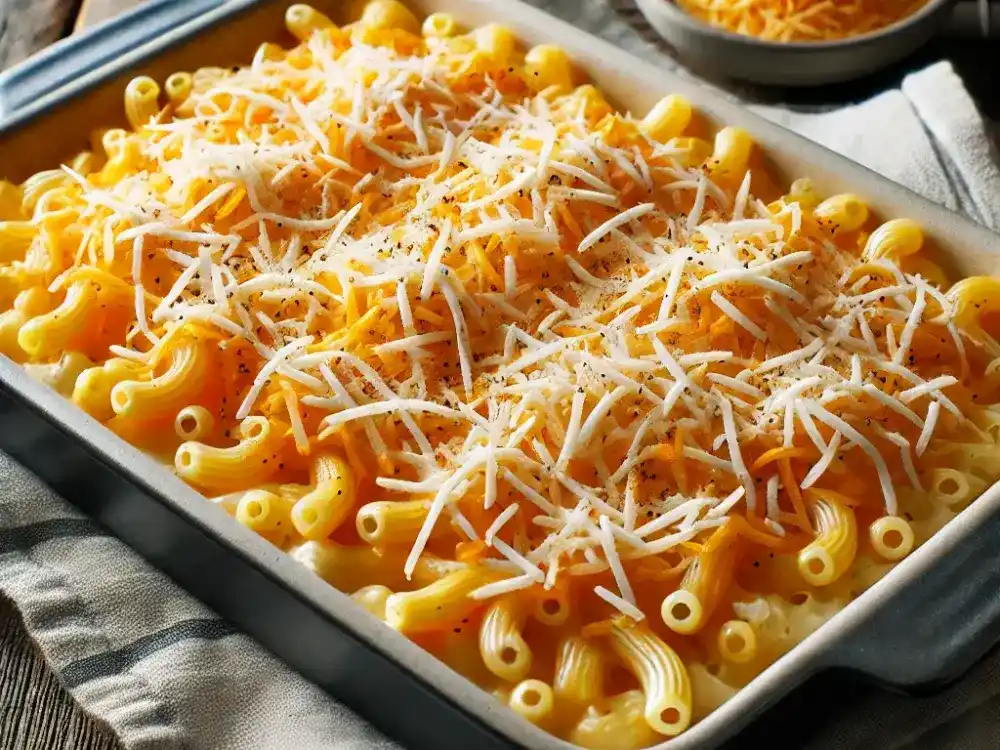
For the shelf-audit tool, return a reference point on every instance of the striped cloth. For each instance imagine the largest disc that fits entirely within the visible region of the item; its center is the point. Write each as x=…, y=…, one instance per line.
x=164, y=671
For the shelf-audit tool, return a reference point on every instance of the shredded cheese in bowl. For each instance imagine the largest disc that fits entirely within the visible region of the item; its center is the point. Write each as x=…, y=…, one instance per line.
x=801, y=20
x=546, y=387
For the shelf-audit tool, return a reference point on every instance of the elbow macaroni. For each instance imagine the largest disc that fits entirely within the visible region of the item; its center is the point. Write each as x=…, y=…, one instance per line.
x=533, y=700
x=141, y=101
x=389, y=14
x=373, y=598
x=178, y=87
x=262, y=511
x=704, y=585
x=61, y=375
x=439, y=604
x=547, y=65
x=803, y=192
x=830, y=555
x=973, y=297
x=10, y=324
x=553, y=607
x=495, y=41
x=439, y=25
x=620, y=726
x=579, y=677
x=58, y=330
x=350, y=567
x=175, y=388
x=302, y=20
x=250, y=462
x=845, y=213
x=667, y=119
x=15, y=239
x=501, y=643
x=892, y=537
x=661, y=673
x=731, y=154
x=895, y=239
x=384, y=522
x=193, y=423
x=92, y=390
x=38, y=185
x=737, y=641
x=319, y=513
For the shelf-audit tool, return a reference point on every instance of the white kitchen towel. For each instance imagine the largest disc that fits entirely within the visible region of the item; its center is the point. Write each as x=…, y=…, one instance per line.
x=164, y=671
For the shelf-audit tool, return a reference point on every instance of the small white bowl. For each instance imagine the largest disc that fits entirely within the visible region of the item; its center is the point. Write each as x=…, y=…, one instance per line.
x=791, y=63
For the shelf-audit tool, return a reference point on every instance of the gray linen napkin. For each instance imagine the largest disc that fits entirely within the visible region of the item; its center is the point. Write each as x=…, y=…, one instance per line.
x=164, y=671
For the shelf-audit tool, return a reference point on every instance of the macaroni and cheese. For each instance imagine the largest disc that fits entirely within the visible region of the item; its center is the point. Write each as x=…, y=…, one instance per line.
x=580, y=401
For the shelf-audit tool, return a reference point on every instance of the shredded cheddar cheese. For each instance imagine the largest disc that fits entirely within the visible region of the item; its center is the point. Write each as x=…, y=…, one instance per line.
x=801, y=20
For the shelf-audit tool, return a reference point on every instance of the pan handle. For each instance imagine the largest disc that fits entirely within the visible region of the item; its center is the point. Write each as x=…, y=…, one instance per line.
x=919, y=636
x=78, y=55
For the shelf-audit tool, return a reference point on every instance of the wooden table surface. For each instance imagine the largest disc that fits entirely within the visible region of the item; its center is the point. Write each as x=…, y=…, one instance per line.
x=36, y=713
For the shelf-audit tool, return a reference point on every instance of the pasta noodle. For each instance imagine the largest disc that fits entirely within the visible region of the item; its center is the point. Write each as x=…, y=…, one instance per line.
x=706, y=581
x=737, y=641
x=588, y=405
x=579, y=675
x=553, y=607
x=61, y=375
x=841, y=213
x=710, y=691
x=167, y=393
x=439, y=604
x=501, y=641
x=350, y=567
x=830, y=555
x=439, y=24
x=141, y=103
x=52, y=332
x=192, y=423
x=302, y=20
x=178, y=87
x=667, y=119
x=533, y=700
x=331, y=500
x=250, y=462
x=389, y=14
x=262, y=511
x=547, y=65
x=619, y=726
x=892, y=537
x=373, y=598
x=385, y=522
x=665, y=682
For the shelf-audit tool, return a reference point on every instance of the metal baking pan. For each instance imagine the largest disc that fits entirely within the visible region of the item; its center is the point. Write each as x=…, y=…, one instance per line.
x=920, y=627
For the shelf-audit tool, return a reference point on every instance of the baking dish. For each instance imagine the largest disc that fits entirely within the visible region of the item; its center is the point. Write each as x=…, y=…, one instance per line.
x=315, y=630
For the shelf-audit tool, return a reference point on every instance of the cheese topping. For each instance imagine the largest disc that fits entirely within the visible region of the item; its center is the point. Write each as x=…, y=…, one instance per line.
x=801, y=20
x=580, y=345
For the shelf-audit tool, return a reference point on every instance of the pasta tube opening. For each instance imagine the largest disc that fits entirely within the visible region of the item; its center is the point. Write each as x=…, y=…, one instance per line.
x=892, y=537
